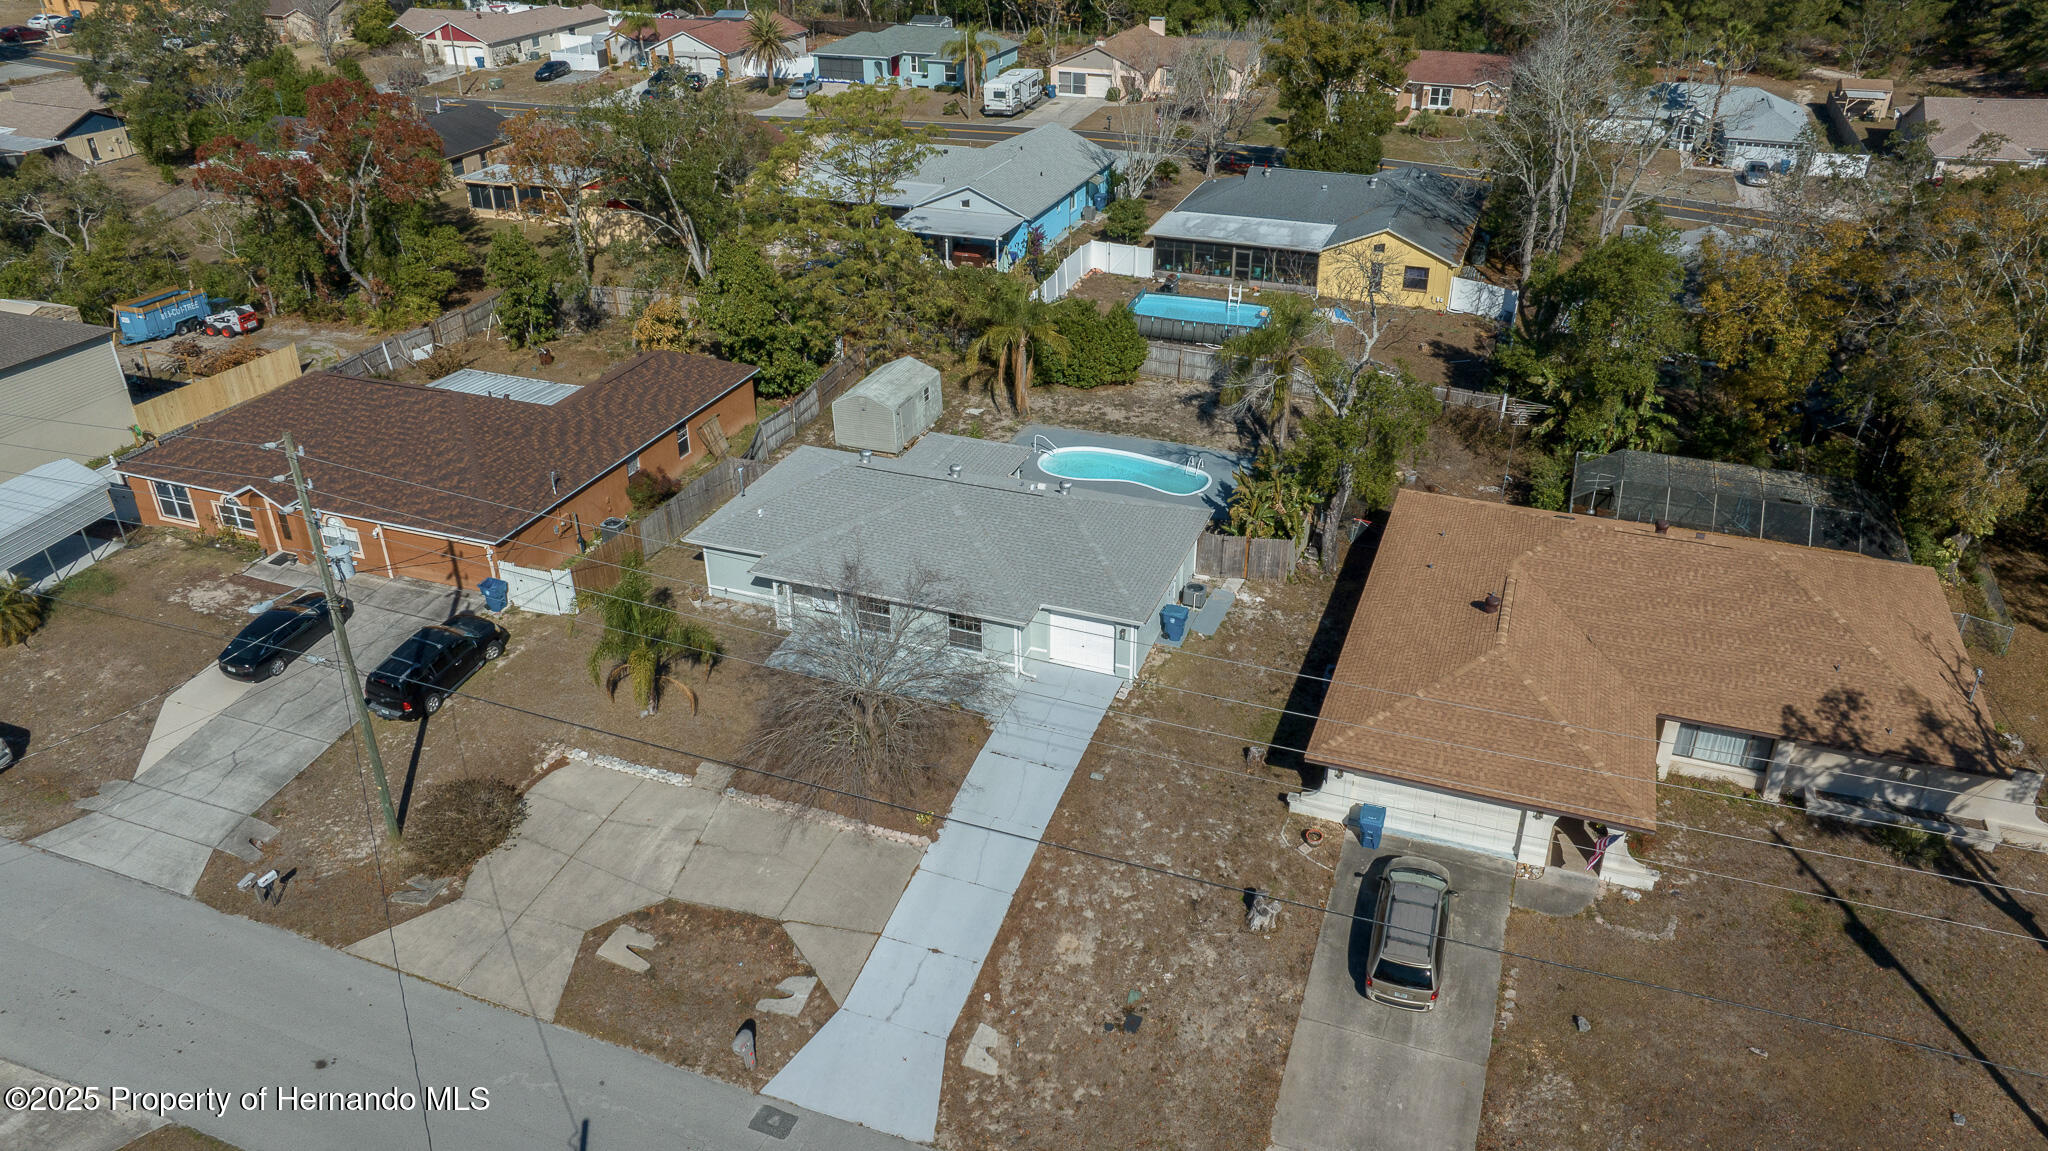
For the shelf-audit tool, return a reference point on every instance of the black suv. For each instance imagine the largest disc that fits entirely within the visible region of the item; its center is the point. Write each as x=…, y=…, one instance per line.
x=283, y=632
x=419, y=675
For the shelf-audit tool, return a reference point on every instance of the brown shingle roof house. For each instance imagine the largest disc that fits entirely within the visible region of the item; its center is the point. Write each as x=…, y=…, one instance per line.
x=1457, y=82
x=444, y=481
x=1507, y=666
x=1967, y=132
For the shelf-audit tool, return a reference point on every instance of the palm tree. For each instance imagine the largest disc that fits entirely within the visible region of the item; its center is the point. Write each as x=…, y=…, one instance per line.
x=766, y=45
x=638, y=27
x=1266, y=361
x=21, y=612
x=1015, y=319
x=644, y=638
x=969, y=50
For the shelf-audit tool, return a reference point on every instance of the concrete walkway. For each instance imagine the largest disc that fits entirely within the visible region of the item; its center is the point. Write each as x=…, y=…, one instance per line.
x=65, y=1130
x=879, y=1061
x=1362, y=1074
x=598, y=843
x=112, y=982
x=203, y=775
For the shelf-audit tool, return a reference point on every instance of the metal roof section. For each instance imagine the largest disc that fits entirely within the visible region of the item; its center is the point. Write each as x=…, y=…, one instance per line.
x=46, y=504
x=525, y=389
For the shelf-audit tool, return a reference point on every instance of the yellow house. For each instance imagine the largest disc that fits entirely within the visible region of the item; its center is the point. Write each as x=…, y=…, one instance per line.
x=1400, y=234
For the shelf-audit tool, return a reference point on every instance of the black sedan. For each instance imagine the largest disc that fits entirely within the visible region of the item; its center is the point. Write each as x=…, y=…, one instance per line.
x=418, y=677
x=552, y=70
x=284, y=631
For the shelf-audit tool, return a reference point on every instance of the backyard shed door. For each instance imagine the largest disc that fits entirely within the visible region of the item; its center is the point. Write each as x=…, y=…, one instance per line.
x=1084, y=643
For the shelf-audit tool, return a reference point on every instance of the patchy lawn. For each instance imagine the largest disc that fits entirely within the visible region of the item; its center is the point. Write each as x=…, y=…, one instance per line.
x=520, y=85
x=84, y=691
x=709, y=970
x=578, y=358
x=1664, y=1070
x=1086, y=938
x=175, y=1138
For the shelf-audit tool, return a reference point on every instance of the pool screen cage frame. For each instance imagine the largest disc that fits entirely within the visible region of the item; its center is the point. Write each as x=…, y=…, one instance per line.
x=1736, y=500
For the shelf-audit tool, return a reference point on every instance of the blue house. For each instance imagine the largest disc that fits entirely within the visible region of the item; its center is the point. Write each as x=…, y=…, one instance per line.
x=913, y=55
x=980, y=205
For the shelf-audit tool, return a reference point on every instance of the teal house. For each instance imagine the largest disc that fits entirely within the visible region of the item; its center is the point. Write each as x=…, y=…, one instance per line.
x=913, y=55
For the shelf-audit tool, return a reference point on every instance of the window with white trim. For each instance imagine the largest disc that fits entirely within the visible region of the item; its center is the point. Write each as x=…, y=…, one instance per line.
x=233, y=515
x=1731, y=748
x=871, y=614
x=963, y=631
x=1074, y=83
x=1436, y=96
x=683, y=440
x=174, y=501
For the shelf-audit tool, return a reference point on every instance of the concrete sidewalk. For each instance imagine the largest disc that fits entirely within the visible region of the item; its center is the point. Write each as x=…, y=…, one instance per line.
x=1362, y=1074
x=195, y=794
x=880, y=1060
x=112, y=982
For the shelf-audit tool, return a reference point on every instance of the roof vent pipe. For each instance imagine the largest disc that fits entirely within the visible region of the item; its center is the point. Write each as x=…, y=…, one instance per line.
x=1370, y=182
x=1491, y=604
x=866, y=455
x=953, y=470
x=1663, y=527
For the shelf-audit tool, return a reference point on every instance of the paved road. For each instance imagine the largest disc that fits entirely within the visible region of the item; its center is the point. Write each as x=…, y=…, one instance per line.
x=1361, y=1074
x=163, y=825
x=113, y=983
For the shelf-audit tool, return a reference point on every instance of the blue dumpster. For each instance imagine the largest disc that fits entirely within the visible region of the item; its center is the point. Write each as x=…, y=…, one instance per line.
x=1367, y=822
x=496, y=594
x=1173, y=622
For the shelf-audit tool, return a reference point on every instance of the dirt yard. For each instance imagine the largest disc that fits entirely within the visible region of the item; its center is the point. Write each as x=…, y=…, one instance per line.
x=579, y=358
x=2018, y=680
x=176, y=1138
x=1663, y=1070
x=1088, y=939
x=83, y=692
x=708, y=972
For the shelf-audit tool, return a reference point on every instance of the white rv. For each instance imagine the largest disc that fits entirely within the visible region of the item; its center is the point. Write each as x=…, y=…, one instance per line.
x=1016, y=90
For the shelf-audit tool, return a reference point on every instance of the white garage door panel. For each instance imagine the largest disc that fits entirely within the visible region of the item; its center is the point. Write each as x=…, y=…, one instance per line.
x=1083, y=643
x=1417, y=813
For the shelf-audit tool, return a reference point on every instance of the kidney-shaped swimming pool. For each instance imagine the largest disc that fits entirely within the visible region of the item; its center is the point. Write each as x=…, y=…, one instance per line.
x=1114, y=466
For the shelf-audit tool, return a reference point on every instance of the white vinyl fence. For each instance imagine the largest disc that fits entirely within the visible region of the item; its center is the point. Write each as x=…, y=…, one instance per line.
x=1477, y=298
x=1096, y=256
x=546, y=592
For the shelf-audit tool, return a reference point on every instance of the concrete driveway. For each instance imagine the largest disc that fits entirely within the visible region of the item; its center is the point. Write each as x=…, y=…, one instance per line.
x=221, y=749
x=1361, y=1074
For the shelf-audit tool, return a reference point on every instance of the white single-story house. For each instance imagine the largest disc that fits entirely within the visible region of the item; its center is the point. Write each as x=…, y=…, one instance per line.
x=714, y=47
x=1140, y=61
x=469, y=40
x=1727, y=129
x=1509, y=669
x=1023, y=570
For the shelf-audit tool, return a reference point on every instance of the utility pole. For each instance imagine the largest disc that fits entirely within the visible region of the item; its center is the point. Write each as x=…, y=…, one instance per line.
x=353, y=688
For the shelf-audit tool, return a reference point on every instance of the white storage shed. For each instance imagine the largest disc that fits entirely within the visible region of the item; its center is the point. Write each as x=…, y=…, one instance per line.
x=894, y=405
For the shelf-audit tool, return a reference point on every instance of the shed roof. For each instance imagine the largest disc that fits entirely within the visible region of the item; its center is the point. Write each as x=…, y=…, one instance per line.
x=27, y=338
x=1296, y=208
x=906, y=40
x=1001, y=550
x=45, y=504
x=895, y=381
x=1605, y=627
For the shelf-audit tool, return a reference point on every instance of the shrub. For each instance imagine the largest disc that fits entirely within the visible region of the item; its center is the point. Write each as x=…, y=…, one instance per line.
x=1101, y=349
x=460, y=822
x=21, y=612
x=1114, y=95
x=650, y=488
x=1550, y=480
x=1124, y=221
x=1167, y=172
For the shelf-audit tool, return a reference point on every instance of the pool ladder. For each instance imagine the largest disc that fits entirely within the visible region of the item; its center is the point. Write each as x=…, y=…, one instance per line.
x=1049, y=445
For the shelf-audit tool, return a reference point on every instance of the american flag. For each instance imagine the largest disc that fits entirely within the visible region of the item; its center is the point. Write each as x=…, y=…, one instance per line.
x=1600, y=849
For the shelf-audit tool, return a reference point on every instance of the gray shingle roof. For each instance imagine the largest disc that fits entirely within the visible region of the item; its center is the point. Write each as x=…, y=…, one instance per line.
x=1434, y=212
x=1027, y=173
x=26, y=338
x=1001, y=551
x=937, y=451
x=906, y=39
x=1746, y=113
x=896, y=381
x=466, y=128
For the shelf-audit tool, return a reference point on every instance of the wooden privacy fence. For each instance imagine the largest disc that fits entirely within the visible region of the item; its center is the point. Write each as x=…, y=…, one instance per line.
x=598, y=570
x=783, y=426
x=1170, y=361
x=395, y=353
x=1226, y=556
x=217, y=393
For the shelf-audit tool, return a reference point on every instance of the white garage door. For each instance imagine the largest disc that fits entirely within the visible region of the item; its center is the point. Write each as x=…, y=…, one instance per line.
x=1417, y=813
x=1084, y=643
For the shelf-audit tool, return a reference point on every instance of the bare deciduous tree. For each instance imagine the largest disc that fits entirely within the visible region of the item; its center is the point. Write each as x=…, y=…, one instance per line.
x=1149, y=135
x=879, y=683
x=1216, y=81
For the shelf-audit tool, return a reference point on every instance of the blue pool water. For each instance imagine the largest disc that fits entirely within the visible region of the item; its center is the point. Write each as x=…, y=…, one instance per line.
x=1124, y=467
x=1196, y=309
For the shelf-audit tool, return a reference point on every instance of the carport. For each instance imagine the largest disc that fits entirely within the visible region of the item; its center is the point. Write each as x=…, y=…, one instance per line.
x=46, y=514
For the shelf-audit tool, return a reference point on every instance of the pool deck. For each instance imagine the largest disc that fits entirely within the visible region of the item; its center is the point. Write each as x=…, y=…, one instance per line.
x=1221, y=466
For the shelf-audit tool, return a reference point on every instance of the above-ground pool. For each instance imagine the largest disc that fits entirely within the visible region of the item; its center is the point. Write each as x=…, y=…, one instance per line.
x=1123, y=467
x=1196, y=319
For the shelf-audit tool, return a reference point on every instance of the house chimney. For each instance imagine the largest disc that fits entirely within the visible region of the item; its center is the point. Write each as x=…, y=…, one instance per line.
x=953, y=470
x=1491, y=604
x=1663, y=527
x=1157, y=24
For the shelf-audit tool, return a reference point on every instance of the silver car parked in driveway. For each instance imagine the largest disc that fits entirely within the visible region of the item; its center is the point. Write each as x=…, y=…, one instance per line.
x=1404, y=966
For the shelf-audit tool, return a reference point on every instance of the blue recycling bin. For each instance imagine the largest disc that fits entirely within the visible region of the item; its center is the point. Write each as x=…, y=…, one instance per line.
x=496, y=594
x=1173, y=622
x=1367, y=822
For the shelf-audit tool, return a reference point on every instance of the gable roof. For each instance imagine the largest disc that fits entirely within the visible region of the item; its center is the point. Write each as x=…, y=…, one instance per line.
x=1147, y=51
x=1746, y=113
x=1026, y=174
x=1314, y=211
x=1459, y=69
x=466, y=129
x=500, y=27
x=1964, y=120
x=48, y=108
x=440, y=460
x=1553, y=702
x=906, y=39
x=1001, y=550
x=24, y=339
x=726, y=36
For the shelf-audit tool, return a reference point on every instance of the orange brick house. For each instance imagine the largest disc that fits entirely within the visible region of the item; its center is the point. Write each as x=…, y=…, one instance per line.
x=443, y=481
x=1456, y=83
